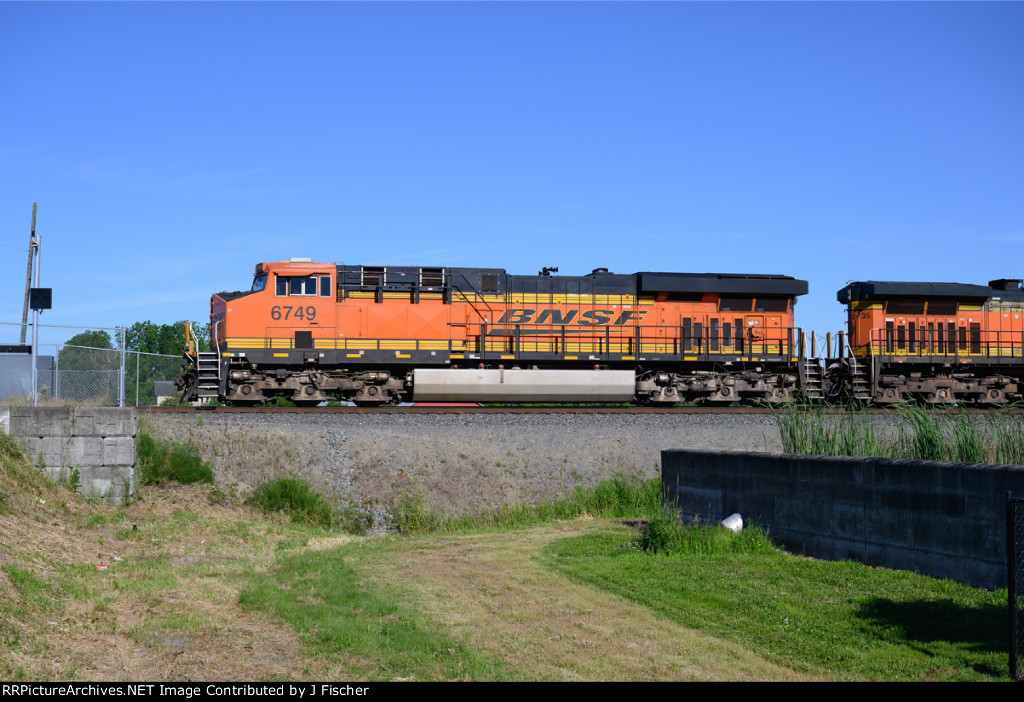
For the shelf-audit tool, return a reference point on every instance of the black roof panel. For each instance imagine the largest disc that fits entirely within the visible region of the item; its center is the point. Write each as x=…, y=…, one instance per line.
x=736, y=283
x=884, y=289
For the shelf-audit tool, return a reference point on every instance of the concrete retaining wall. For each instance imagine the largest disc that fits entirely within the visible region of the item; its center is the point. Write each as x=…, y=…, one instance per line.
x=943, y=519
x=97, y=442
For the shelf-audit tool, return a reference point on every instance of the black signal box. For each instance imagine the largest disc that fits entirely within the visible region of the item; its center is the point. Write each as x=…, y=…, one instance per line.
x=40, y=298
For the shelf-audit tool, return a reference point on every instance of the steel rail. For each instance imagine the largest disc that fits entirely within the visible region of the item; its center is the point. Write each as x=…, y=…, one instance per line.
x=454, y=409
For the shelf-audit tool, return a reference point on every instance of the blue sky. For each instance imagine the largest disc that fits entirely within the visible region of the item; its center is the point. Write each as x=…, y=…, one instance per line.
x=173, y=146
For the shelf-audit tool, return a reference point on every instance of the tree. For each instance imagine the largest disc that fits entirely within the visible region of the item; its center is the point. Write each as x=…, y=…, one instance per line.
x=156, y=353
x=167, y=339
x=89, y=368
x=91, y=339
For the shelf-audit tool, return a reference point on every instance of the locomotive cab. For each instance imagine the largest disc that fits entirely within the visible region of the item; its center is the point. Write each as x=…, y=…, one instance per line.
x=289, y=304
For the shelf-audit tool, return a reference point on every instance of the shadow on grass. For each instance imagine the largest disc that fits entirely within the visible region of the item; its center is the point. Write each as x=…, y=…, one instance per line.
x=982, y=629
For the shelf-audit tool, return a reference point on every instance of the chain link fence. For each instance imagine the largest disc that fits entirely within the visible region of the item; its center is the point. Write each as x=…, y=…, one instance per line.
x=97, y=374
x=1015, y=580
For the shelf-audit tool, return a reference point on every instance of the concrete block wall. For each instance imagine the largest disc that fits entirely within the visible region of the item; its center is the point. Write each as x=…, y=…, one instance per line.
x=98, y=442
x=947, y=520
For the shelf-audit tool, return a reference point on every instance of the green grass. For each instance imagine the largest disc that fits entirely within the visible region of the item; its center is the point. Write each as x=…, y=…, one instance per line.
x=9, y=449
x=665, y=534
x=377, y=635
x=101, y=519
x=1009, y=442
x=616, y=498
x=839, y=620
x=158, y=461
x=32, y=589
x=812, y=432
x=295, y=498
x=919, y=434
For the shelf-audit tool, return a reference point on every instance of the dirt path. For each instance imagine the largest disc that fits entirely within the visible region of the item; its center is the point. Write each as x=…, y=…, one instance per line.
x=168, y=609
x=494, y=589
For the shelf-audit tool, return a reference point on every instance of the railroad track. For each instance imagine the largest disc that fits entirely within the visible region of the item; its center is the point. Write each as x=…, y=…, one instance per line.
x=455, y=409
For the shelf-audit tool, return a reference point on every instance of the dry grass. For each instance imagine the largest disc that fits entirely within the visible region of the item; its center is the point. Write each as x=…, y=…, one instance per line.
x=456, y=483
x=167, y=610
x=242, y=459
x=453, y=474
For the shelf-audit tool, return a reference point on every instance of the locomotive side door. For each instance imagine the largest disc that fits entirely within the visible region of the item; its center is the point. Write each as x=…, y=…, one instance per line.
x=775, y=335
x=754, y=334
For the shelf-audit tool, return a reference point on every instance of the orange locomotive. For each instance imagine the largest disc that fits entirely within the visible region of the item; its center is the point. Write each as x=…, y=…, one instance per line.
x=938, y=343
x=375, y=335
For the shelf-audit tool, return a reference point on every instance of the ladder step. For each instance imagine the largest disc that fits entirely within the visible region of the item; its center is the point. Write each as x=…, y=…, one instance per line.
x=208, y=374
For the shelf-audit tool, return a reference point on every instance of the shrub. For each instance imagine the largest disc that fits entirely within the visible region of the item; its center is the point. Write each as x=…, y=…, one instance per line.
x=666, y=534
x=412, y=515
x=293, y=497
x=9, y=449
x=158, y=461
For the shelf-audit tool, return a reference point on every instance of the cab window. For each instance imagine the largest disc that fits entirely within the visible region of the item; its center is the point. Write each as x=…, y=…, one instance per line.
x=259, y=282
x=942, y=307
x=296, y=285
x=735, y=303
x=302, y=286
x=904, y=307
x=772, y=304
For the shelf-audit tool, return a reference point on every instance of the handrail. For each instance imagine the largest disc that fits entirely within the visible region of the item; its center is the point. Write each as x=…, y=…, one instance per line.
x=191, y=347
x=467, y=299
x=603, y=342
x=941, y=344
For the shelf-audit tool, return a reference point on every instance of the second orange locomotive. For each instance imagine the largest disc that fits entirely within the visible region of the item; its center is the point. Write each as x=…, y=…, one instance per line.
x=937, y=343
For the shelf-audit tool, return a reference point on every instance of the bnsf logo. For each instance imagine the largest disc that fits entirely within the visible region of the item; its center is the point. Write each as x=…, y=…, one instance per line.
x=594, y=317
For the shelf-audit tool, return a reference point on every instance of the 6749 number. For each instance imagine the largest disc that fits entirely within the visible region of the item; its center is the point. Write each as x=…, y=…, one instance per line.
x=289, y=312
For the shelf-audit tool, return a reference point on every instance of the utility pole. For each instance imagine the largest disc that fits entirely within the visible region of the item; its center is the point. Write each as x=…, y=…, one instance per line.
x=33, y=246
x=120, y=389
x=35, y=319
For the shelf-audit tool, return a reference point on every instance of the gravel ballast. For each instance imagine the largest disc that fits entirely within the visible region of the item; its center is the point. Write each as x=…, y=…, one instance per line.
x=457, y=463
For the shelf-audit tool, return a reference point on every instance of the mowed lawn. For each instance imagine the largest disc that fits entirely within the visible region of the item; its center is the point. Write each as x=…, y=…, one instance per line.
x=197, y=584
